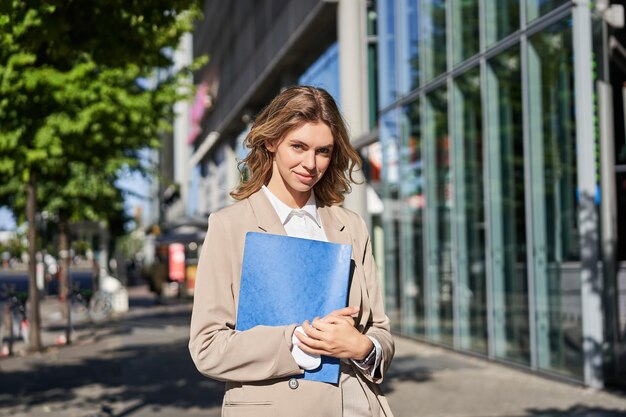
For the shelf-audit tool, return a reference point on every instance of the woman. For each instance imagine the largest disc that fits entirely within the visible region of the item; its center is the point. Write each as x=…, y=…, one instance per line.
x=299, y=166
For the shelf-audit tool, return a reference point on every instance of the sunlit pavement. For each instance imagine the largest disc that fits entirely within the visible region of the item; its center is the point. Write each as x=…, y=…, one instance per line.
x=432, y=381
x=138, y=365
x=135, y=366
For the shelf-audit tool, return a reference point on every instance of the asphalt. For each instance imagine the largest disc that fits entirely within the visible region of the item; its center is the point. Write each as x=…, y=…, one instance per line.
x=137, y=364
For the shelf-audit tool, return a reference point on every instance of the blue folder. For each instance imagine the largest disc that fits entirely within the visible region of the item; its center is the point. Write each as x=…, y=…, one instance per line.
x=286, y=280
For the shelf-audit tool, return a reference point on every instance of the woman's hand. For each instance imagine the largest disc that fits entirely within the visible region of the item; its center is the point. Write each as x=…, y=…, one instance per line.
x=335, y=335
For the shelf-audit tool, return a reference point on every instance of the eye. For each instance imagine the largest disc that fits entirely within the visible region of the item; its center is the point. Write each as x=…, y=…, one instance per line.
x=296, y=146
x=323, y=151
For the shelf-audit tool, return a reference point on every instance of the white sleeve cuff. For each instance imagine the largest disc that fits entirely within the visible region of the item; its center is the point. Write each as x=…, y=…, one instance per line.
x=371, y=369
x=303, y=359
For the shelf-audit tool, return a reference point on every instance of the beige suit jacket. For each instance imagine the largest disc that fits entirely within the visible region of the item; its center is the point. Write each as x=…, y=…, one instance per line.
x=257, y=364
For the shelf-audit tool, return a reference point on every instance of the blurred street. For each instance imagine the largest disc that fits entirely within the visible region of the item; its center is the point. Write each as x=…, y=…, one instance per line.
x=138, y=365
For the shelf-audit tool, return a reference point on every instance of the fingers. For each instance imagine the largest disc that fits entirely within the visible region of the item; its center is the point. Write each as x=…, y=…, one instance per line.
x=338, y=348
x=332, y=336
x=310, y=341
x=340, y=320
x=312, y=351
x=346, y=311
x=329, y=323
x=313, y=330
x=314, y=346
x=319, y=333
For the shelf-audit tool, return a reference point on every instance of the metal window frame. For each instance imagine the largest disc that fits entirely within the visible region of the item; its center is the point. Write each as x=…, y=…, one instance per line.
x=454, y=176
x=591, y=279
x=484, y=94
x=532, y=323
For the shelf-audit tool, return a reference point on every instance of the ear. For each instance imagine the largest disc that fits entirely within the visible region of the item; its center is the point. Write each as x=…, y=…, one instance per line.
x=270, y=146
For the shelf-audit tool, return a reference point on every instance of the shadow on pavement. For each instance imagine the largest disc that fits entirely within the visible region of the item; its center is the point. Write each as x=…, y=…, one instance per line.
x=406, y=368
x=138, y=375
x=415, y=368
x=575, y=411
x=151, y=375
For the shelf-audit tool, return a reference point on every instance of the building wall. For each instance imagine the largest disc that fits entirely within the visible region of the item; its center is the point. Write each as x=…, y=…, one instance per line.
x=251, y=50
x=480, y=125
x=255, y=49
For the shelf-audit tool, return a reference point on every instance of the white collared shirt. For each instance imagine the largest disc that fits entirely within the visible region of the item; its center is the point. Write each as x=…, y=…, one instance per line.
x=306, y=223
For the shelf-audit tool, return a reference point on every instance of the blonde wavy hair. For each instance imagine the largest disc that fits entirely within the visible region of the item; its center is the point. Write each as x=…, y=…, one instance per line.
x=291, y=109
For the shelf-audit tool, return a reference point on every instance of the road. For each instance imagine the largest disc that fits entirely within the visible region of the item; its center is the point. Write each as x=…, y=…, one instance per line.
x=18, y=279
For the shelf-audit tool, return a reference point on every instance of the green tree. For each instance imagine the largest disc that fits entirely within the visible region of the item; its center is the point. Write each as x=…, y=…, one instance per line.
x=73, y=107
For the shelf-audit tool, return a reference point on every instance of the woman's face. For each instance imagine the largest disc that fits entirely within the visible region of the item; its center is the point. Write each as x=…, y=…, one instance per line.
x=300, y=161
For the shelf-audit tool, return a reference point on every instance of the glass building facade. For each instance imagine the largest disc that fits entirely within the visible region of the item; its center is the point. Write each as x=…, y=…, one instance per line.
x=478, y=118
x=484, y=128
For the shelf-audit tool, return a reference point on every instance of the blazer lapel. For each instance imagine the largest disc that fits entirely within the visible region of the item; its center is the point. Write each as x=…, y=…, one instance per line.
x=267, y=219
x=337, y=232
x=333, y=227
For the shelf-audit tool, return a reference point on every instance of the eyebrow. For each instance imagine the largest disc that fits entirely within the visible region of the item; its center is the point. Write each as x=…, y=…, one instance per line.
x=298, y=141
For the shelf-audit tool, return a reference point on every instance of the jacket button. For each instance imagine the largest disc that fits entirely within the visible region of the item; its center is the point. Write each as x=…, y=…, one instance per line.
x=293, y=383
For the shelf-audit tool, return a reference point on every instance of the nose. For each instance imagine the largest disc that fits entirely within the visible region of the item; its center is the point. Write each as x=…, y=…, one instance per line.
x=308, y=161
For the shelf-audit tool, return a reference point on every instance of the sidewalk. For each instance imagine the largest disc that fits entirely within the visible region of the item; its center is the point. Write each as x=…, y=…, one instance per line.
x=429, y=381
x=138, y=366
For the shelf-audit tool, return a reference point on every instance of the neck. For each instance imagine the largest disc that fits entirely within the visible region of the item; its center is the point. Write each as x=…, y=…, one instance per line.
x=292, y=198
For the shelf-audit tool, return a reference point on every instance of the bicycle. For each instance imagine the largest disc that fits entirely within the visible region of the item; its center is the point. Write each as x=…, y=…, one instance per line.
x=100, y=306
x=86, y=304
x=14, y=317
x=78, y=300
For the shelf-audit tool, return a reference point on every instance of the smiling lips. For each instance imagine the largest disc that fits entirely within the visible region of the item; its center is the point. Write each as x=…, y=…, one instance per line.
x=305, y=177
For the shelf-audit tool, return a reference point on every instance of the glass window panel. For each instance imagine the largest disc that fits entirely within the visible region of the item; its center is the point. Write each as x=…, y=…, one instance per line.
x=620, y=181
x=434, y=33
x=371, y=19
x=371, y=156
x=193, y=200
x=409, y=45
x=372, y=68
x=600, y=49
x=507, y=208
x=501, y=19
x=536, y=8
x=387, y=91
x=412, y=224
x=466, y=29
x=372, y=85
x=438, y=218
x=619, y=113
x=324, y=72
x=389, y=141
x=470, y=212
x=556, y=234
